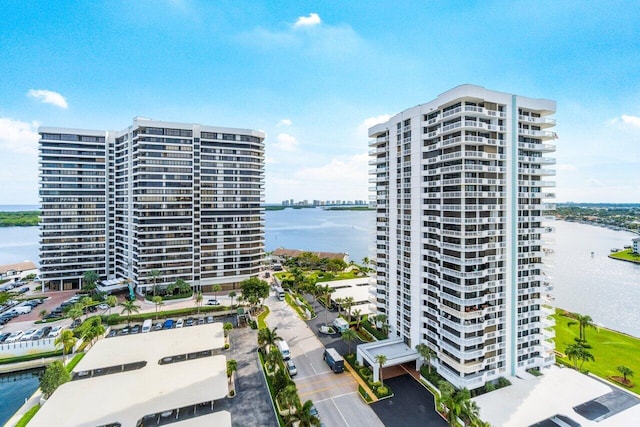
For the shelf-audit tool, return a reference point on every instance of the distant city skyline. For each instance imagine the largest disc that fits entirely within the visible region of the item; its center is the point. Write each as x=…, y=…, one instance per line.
x=314, y=77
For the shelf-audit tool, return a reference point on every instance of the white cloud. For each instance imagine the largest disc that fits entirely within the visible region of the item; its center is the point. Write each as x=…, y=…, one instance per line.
x=308, y=21
x=630, y=120
x=48, y=97
x=286, y=142
x=285, y=122
x=18, y=137
x=363, y=127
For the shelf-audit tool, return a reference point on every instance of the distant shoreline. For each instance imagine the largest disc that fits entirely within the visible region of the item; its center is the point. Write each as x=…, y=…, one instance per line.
x=19, y=219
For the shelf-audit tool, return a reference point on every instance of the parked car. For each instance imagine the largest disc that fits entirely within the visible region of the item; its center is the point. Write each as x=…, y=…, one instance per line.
x=24, y=290
x=112, y=333
x=168, y=324
x=55, y=331
x=157, y=326
x=201, y=321
x=103, y=306
x=180, y=323
x=28, y=335
x=190, y=321
x=15, y=336
x=4, y=336
x=292, y=368
x=213, y=302
x=135, y=329
x=124, y=331
x=46, y=330
x=209, y=319
x=76, y=323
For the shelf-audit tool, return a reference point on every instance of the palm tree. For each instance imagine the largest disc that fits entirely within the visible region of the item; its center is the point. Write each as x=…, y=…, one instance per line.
x=129, y=307
x=89, y=280
x=325, y=294
x=348, y=301
x=66, y=340
x=303, y=416
x=365, y=262
x=42, y=314
x=348, y=336
x=272, y=359
x=232, y=295
x=198, y=301
x=95, y=329
x=356, y=313
x=625, y=371
x=154, y=274
x=457, y=403
x=339, y=302
x=268, y=337
x=75, y=312
x=577, y=352
x=157, y=300
x=381, y=359
x=426, y=352
x=111, y=300
x=86, y=302
x=216, y=289
x=288, y=396
x=583, y=322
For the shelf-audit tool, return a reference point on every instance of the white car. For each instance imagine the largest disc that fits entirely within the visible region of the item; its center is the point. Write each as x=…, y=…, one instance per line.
x=213, y=302
x=103, y=306
x=13, y=337
x=55, y=331
x=180, y=323
x=28, y=335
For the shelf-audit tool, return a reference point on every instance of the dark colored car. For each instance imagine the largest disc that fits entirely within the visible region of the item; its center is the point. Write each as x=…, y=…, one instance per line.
x=24, y=290
x=76, y=323
x=124, y=331
x=112, y=333
x=190, y=321
x=135, y=329
x=4, y=336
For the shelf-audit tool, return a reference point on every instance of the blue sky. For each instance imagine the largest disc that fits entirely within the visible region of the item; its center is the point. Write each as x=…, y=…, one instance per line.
x=315, y=75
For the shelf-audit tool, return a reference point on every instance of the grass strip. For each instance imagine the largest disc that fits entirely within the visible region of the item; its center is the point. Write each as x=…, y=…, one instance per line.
x=76, y=359
x=262, y=318
x=29, y=357
x=27, y=416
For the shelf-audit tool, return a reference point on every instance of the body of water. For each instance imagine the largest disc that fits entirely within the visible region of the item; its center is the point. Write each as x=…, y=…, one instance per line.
x=14, y=389
x=606, y=289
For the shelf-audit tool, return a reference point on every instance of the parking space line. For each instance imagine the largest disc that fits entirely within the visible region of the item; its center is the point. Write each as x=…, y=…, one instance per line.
x=335, y=397
x=339, y=412
x=346, y=380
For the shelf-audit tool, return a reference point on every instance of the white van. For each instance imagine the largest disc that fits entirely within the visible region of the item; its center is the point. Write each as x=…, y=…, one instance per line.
x=146, y=326
x=340, y=324
x=23, y=309
x=284, y=349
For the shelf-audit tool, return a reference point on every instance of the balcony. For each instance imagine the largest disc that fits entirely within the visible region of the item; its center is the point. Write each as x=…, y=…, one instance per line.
x=542, y=134
x=541, y=121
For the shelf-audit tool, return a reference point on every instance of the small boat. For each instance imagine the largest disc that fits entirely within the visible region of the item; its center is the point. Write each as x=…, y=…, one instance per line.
x=615, y=250
x=592, y=254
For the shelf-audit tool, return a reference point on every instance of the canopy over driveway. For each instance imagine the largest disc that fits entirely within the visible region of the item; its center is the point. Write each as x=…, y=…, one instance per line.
x=395, y=350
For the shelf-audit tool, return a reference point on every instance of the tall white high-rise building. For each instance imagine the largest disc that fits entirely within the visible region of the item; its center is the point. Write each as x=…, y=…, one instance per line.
x=182, y=199
x=461, y=200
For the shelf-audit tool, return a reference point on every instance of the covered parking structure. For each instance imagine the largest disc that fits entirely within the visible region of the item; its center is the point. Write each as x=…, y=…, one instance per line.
x=154, y=393
x=394, y=349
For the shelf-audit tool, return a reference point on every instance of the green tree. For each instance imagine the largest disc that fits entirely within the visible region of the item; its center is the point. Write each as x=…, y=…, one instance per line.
x=381, y=359
x=426, y=353
x=227, y=326
x=366, y=262
x=92, y=329
x=90, y=280
x=157, y=300
x=254, y=289
x=75, y=312
x=232, y=295
x=43, y=314
x=198, y=301
x=334, y=265
x=357, y=314
x=216, y=289
x=183, y=287
x=288, y=396
x=349, y=336
x=129, y=307
x=154, y=274
x=111, y=301
x=54, y=376
x=66, y=340
x=348, y=302
x=86, y=302
x=272, y=358
x=232, y=366
x=625, y=371
x=578, y=352
x=324, y=293
x=303, y=416
x=583, y=322
x=268, y=337
x=456, y=403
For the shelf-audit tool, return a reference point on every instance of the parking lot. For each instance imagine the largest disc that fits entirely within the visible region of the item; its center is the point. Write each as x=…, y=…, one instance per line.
x=334, y=395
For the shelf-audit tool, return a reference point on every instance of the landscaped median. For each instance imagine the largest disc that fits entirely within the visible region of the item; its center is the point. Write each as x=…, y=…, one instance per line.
x=369, y=390
x=298, y=309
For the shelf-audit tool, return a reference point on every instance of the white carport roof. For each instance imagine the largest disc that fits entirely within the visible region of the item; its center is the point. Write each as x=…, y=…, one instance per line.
x=125, y=397
x=395, y=349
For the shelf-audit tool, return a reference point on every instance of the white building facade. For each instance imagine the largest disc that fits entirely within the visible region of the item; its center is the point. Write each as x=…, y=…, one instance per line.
x=179, y=198
x=461, y=199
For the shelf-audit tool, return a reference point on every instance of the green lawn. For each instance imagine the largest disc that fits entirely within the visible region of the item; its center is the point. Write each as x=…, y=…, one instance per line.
x=626, y=255
x=610, y=349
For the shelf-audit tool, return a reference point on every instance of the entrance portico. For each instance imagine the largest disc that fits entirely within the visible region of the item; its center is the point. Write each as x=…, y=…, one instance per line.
x=395, y=350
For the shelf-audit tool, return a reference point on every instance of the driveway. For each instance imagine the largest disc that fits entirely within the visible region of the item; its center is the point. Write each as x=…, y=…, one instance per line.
x=411, y=405
x=335, y=395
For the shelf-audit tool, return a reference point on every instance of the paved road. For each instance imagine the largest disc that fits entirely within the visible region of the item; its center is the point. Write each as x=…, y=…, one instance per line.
x=335, y=395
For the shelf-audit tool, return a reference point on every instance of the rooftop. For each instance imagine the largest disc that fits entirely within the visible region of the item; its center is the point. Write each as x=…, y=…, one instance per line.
x=20, y=266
